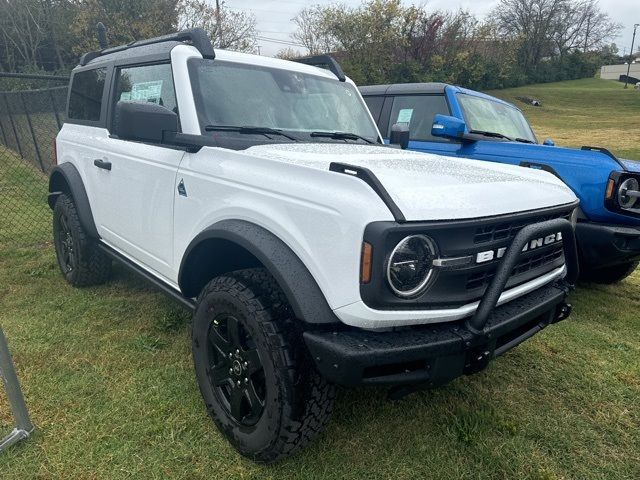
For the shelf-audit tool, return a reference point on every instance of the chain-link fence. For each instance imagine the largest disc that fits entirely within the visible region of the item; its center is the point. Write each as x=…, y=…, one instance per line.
x=29, y=122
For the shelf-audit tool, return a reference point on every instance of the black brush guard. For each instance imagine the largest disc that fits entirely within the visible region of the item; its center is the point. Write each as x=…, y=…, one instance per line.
x=431, y=355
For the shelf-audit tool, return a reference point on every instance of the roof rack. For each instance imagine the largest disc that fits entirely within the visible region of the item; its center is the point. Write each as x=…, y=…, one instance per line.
x=324, y=61
x=196, y=36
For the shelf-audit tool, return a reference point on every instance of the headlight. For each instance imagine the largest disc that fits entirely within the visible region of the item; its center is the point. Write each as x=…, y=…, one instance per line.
x=410, y=265
x=628, y=193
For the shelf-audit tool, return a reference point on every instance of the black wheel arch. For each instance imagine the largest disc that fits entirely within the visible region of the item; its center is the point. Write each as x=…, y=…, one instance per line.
x=235, y=245
x=65, y=178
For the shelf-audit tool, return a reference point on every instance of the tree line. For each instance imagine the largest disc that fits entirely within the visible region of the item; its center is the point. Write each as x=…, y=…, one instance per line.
x=380, y=41
x=521, y=41
x=50, y=35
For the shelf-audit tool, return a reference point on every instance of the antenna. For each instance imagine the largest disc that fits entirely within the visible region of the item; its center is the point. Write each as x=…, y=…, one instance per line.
x=102, y=35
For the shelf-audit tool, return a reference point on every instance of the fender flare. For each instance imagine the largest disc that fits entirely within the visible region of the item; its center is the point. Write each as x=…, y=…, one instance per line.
x=65, y=178
x=301, y=289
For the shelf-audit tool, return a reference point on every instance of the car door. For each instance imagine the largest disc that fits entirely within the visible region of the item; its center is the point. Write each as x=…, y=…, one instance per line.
x=137, y=181
x=418, y=111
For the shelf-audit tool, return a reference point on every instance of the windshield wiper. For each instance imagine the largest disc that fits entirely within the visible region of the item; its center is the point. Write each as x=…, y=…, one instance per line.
x=524, y=140
x=250, y=131
x=341, y=136
x=490, y=134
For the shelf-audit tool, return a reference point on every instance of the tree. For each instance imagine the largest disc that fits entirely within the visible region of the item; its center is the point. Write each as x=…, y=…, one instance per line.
x=126, y=21
x=549, y=28
x=23, y=31
x=228, y=29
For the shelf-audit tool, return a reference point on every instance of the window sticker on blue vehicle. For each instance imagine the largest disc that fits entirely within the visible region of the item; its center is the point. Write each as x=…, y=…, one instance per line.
x=145, y=91
x=404, y=115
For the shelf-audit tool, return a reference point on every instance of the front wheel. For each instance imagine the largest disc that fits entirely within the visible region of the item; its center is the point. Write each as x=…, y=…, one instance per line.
x=612, y=274
x=255, y=375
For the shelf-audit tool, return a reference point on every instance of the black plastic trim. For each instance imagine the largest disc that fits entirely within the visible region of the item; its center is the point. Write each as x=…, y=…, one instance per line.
x=432, y=354
x=455, y=238
x=67, y=176
x=513, y=253
x=299, y=286
x=322, y=61
x=168, y=290
x=612, y=203
x=540, y=166
x=602, y=245
x=370, y=179
x=197, y=36
x=607, y=153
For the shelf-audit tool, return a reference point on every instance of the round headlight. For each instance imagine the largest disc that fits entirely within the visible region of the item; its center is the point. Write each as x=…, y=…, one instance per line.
x=624, y=200
x=411, y=265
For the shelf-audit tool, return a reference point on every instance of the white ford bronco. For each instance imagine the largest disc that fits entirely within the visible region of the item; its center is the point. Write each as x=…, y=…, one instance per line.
x=257, y=192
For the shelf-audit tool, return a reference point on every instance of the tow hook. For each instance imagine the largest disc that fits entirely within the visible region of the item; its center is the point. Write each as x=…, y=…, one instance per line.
x=562, y=311
x=477, y=361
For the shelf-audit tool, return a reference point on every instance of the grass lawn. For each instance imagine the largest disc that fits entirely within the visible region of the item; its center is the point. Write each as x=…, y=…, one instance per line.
x=107, y=372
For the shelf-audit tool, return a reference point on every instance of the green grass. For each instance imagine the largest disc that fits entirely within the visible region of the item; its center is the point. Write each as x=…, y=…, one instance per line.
x=108, y=379
x=590, y=112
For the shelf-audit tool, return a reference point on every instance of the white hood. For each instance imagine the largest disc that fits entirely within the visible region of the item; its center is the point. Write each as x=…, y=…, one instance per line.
x=433, y=187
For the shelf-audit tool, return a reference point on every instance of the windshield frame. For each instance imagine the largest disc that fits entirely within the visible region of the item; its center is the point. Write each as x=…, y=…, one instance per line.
x=532, y=136
x=193, y=65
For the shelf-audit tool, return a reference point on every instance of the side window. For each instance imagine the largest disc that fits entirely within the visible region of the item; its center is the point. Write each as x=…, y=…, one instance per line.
x=375, y=106
x=418, y=111
x=85, y=100
x=148, y=83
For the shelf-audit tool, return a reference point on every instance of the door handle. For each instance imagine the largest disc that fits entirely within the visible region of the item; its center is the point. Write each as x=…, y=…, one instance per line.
x=102, y=164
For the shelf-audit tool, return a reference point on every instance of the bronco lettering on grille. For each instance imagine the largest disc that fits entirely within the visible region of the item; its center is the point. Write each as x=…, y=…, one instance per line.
x=488, y=255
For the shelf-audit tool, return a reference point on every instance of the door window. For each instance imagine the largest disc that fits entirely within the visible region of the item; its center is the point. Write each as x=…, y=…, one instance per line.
x=375, y=106
x=85, y=100
x=148, y=83
x=418, y=111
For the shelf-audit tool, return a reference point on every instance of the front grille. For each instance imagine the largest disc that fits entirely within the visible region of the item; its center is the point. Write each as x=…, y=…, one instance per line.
x=508, y=230
x=541, y=260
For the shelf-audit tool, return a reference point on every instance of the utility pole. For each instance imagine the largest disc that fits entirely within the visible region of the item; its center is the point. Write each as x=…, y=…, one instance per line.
x=626, y=81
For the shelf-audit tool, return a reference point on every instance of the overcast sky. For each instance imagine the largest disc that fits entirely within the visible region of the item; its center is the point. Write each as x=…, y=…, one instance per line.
x=274, y=16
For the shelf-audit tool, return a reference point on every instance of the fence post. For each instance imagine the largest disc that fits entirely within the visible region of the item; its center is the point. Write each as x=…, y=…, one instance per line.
x=33, y=135
x=23, y=427
x=4, y=135
x=55, y=109
x=13, y=125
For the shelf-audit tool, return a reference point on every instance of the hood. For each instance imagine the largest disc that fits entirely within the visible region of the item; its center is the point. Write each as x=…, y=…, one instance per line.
x=632, y=165
x=433, y=187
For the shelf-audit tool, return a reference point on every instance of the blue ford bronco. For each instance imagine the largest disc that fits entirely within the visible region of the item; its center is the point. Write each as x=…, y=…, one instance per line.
x=454, y=121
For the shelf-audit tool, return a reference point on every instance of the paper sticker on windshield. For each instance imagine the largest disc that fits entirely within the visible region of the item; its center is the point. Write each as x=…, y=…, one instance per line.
x=404, y=115
x=147, y=91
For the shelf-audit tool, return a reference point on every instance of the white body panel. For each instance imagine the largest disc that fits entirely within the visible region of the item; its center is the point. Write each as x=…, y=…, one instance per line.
x=289, y=190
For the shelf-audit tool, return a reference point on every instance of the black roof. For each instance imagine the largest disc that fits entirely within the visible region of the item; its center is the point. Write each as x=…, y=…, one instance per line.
x=403, y=88
x=152, y=48
x=157, y=51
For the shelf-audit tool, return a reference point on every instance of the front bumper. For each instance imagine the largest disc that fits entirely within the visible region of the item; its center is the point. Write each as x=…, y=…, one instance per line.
x=437, y=353
x=603, y=245
x=433, y=354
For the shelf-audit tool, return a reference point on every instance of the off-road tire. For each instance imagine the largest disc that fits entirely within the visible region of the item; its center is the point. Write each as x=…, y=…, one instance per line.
x=298, y=401
x=84, y=264
x=612, y=274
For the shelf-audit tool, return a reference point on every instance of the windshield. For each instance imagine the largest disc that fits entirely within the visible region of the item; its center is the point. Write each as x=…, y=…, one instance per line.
x=238, y=95
x=488, y=116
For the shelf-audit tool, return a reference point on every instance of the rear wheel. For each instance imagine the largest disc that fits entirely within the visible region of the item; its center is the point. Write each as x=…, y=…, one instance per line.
x=256, y=378
x=612, y=274
x=80, y=261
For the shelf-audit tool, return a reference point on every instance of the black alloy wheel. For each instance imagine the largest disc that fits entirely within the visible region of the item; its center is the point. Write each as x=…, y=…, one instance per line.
x=65, y=244
x=236, y=372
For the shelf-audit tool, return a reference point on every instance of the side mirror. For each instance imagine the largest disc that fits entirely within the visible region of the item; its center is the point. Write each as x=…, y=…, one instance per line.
x=143, y=121
x=549, y=143
x=399, y=135
x=448, y=127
